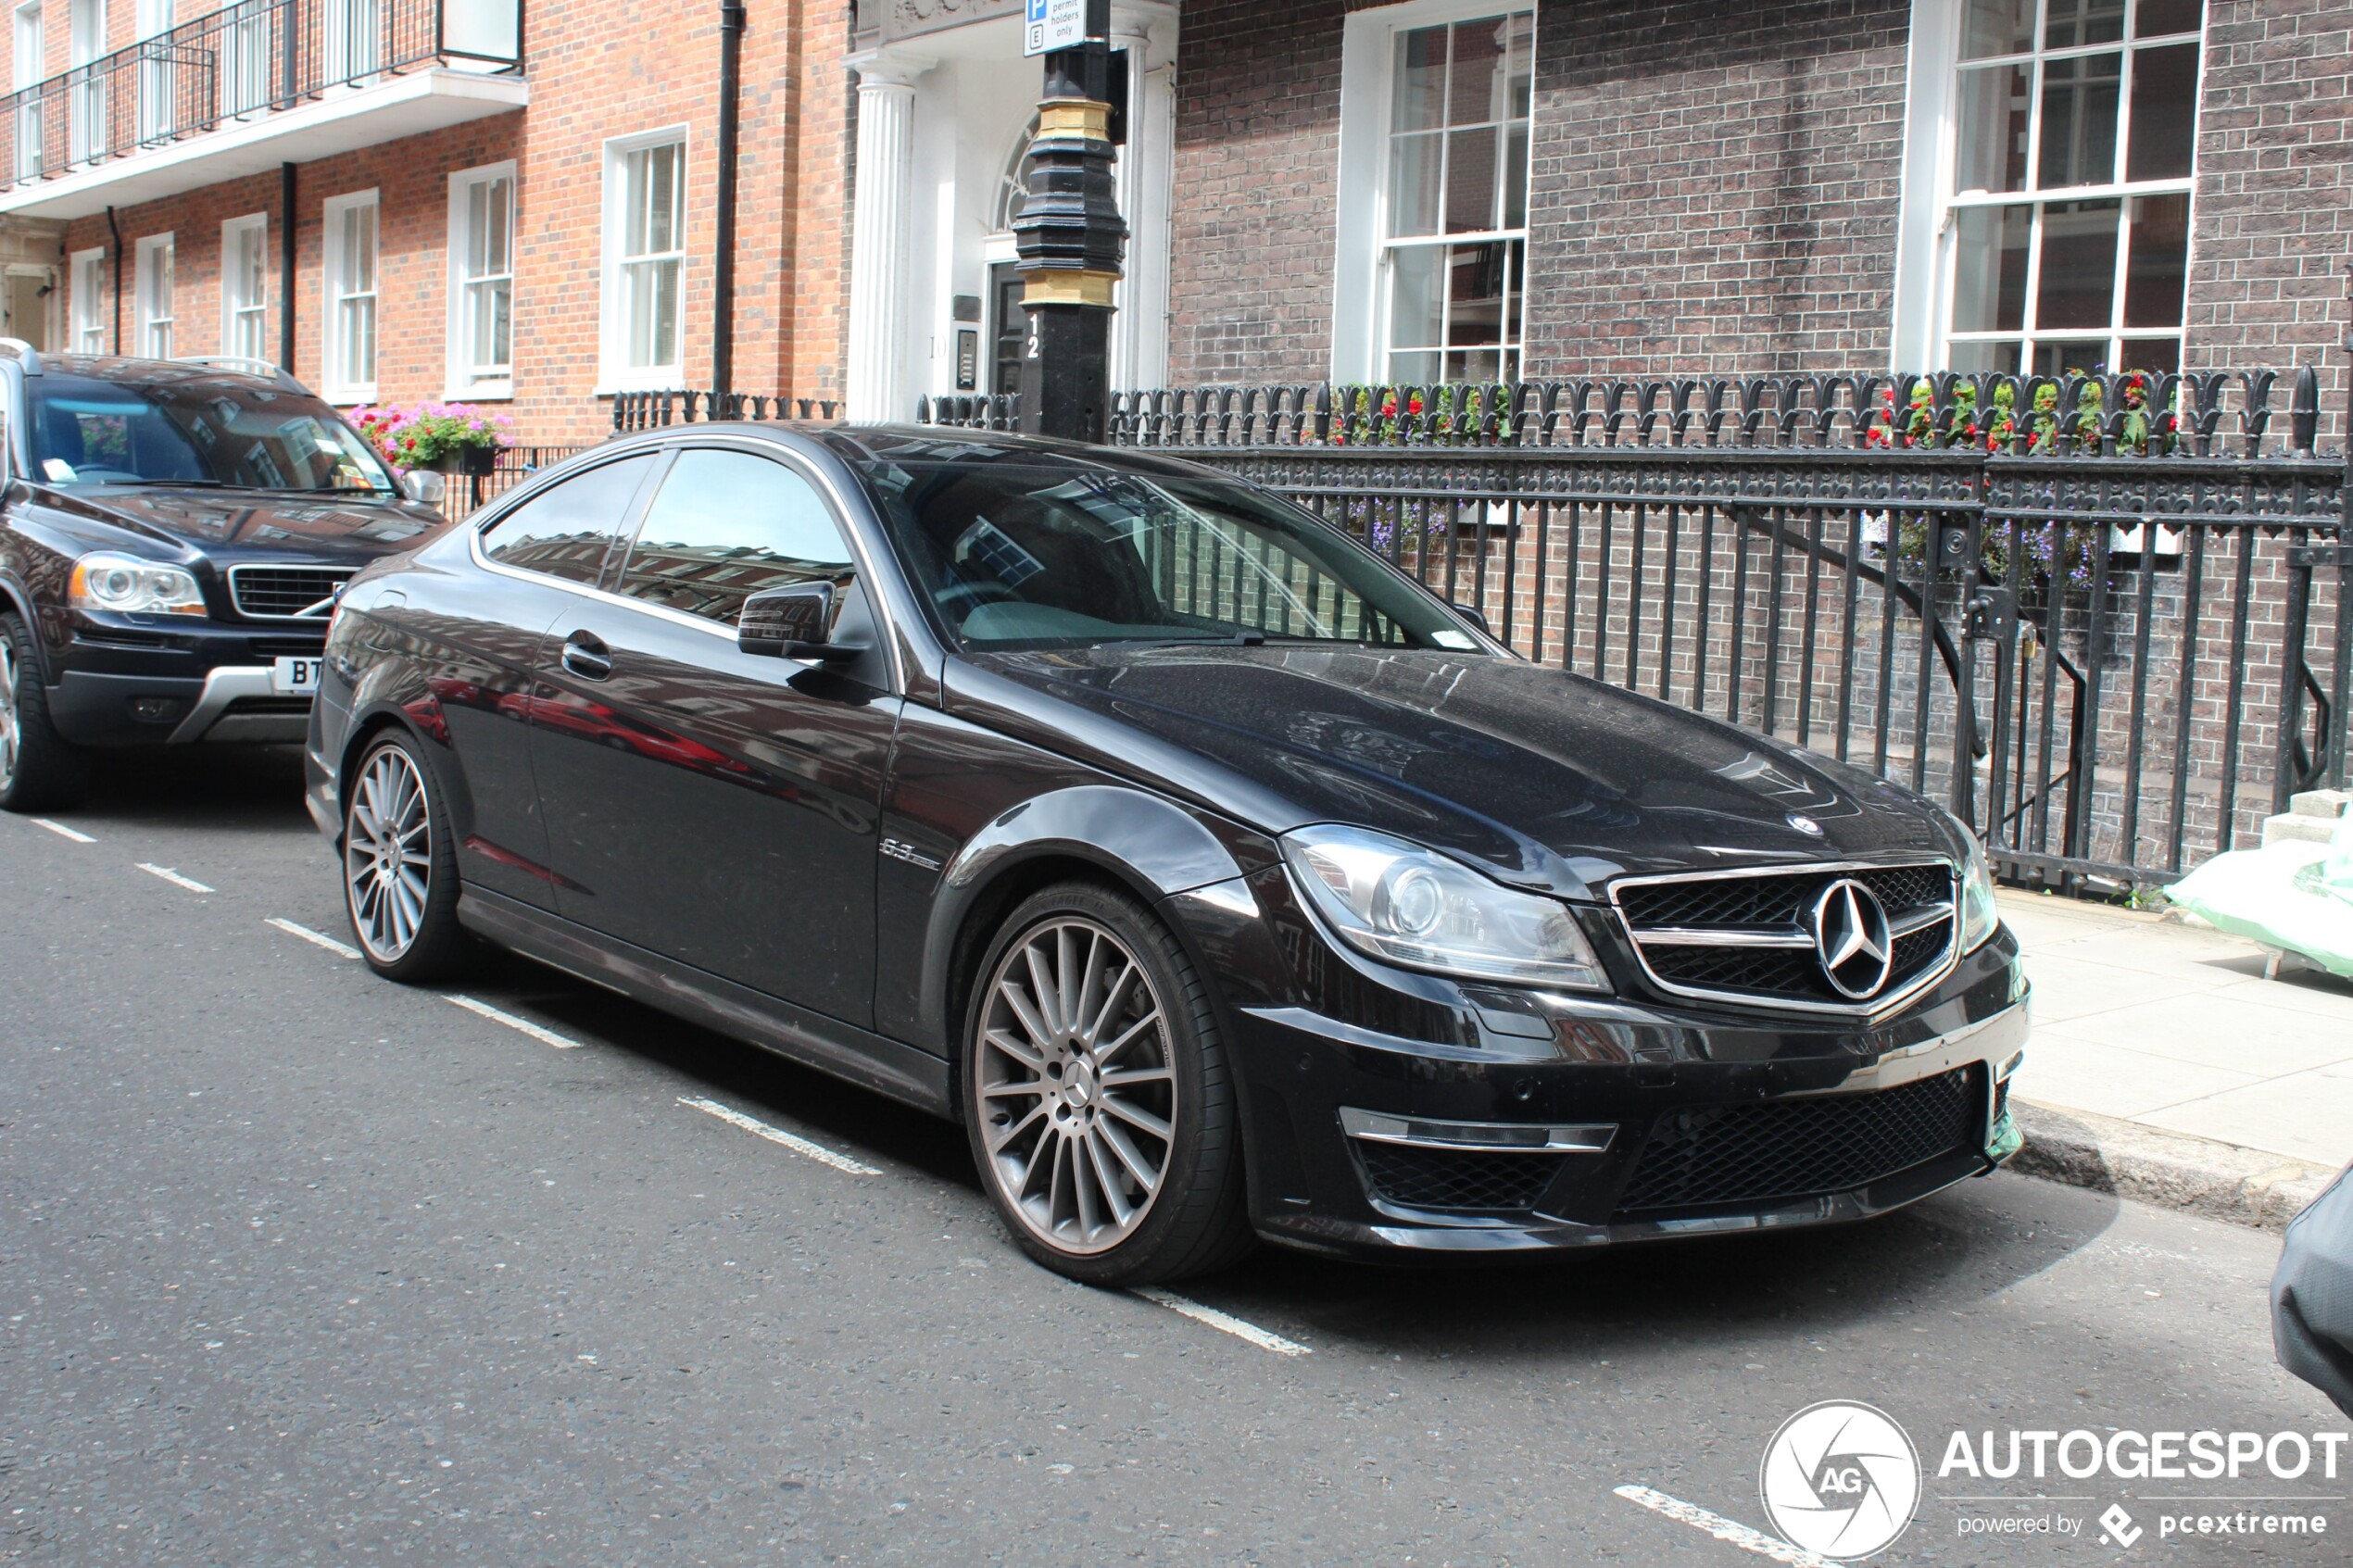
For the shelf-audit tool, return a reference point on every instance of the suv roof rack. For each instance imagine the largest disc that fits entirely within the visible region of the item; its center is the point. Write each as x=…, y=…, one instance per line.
x=27, y=355
x=252, y=365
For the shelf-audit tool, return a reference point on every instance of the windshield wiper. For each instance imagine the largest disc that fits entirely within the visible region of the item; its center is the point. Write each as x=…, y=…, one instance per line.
x=174, y=483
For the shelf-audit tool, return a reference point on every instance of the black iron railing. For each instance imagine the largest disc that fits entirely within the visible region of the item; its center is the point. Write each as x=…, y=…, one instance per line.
x=2104, y=619
x=245, y=60
x=513, y=465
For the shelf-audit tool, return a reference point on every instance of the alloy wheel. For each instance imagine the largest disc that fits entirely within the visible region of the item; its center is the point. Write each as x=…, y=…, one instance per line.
x=11, y=724
x=1077, y=1095
x=387, y=855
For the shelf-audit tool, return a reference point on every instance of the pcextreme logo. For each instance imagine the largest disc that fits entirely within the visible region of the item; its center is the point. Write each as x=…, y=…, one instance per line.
x=1840, y=1480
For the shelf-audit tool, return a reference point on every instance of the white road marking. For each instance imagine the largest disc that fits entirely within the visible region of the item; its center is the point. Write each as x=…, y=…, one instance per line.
x=191, y=883
x=61, y=830
x=315, y=938
x=1730, y=1531
x=778, y=1137
x=1224, y=1323
x=524, y=1025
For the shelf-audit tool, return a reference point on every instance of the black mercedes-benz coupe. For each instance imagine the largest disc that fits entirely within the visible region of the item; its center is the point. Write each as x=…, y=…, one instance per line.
x=1220, y=879
x=173, y=535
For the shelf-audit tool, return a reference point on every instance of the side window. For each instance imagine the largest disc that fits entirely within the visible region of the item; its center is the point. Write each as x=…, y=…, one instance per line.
x=566, y=530
x=728, y=525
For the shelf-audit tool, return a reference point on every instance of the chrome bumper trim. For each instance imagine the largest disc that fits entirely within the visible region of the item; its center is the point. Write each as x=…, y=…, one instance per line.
x=1488, y=1137
x=223, y=686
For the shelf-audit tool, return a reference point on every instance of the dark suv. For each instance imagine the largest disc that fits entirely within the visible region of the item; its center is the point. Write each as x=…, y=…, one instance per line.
x=172, y=537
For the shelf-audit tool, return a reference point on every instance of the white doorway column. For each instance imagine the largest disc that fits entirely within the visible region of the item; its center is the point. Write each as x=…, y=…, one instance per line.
x=1145, y=172
x=881, y=239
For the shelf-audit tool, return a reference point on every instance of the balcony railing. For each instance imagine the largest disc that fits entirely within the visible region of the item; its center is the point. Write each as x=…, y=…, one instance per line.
x=238, y=63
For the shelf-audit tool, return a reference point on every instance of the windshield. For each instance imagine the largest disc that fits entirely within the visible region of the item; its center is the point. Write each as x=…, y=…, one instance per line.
x=206, y=430
x=1034, y=554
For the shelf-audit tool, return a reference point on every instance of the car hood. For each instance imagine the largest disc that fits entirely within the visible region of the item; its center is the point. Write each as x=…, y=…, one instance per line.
x=1546, y=778
x=260, y=524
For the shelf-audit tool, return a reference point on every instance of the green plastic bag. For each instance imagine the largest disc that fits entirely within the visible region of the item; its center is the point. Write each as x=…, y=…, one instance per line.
x=2294, y=895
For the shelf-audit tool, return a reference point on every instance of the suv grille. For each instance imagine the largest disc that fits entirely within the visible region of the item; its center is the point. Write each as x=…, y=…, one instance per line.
x=1445, y=1178
x=1749, y=938
x=283, y=592
x=1782, y=1150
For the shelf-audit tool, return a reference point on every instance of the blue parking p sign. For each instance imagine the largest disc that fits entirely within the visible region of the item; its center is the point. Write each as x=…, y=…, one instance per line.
x=1053, y=24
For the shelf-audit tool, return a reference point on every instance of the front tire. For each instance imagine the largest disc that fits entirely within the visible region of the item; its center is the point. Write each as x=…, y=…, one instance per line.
x=1097, y=1095
x=399, y=867
x=39, y=772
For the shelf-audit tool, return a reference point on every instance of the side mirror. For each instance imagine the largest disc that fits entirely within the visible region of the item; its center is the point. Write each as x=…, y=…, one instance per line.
x=425, y=486
x=791, y=624
x=1473, y=617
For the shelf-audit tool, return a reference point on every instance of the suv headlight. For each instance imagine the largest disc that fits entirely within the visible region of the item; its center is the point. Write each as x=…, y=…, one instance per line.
x=127, y=585
x=1405, y=905
x=1980, y=916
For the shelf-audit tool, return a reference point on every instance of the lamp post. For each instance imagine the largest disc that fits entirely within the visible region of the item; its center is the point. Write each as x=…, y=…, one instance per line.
x=1070, y=238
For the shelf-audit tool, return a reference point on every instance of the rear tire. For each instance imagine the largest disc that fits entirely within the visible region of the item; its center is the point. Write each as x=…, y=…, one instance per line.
x=39, y=771
x=1096, y=1092
x=399, y=867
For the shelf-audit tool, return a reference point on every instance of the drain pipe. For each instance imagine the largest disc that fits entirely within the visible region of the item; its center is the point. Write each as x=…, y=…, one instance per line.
x=723, y=263
x=116, y=230
x=286, y=267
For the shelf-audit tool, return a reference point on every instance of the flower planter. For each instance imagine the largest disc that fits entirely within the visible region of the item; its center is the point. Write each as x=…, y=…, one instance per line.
x=471, y=461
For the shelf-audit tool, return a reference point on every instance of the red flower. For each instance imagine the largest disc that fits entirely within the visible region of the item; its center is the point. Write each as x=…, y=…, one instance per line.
x=1414, y=405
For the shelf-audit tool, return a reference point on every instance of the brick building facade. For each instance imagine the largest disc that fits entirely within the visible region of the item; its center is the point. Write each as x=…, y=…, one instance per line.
x=378, y=109
x=1425, y=190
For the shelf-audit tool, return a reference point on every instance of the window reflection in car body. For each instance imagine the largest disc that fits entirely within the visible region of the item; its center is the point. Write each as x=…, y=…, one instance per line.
x=797, y=788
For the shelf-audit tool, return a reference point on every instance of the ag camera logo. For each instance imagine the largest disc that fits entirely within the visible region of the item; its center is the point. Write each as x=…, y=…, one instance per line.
x=1840, y=1479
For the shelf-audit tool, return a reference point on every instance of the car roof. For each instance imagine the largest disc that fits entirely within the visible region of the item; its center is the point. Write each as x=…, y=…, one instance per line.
x=857, y=444
x=131, y=371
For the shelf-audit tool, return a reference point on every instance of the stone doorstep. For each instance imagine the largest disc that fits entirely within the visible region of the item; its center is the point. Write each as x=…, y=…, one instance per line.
x=2196, y=1175
x=2311, y=829
x=2328, y=804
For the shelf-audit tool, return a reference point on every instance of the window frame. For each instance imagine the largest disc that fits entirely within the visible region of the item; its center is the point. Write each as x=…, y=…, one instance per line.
x=232, y=233
x=86, y=285
x=87, y=138
x=340, y=387
x=145, y=292
x=1928, y=245
x=461, y=380
x=28, y=40
x=615, y=373
x=1367, y=93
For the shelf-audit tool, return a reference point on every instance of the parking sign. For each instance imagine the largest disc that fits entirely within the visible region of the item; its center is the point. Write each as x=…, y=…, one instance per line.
x=1053, y=24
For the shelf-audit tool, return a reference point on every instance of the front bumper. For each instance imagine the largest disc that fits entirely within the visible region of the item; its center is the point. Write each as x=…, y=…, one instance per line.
x=134, y=684
x=1634, y=1120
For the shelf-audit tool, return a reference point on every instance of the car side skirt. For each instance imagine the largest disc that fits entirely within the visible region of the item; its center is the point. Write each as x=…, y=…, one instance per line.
x=910, y=1076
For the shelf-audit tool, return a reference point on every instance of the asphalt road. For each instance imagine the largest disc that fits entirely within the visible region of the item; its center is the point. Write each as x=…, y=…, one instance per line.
x=297, y=1266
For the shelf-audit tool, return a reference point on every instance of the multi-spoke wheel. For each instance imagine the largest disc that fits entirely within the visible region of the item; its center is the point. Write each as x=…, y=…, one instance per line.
x=1097, y=1094
x=398, y=874
x=38, y=770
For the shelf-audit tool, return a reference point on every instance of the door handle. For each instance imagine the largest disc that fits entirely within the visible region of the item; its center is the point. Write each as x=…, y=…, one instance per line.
x=587, y=657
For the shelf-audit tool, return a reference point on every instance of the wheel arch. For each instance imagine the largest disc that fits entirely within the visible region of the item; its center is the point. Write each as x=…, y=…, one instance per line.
x=1134, y=843
x=14, y=597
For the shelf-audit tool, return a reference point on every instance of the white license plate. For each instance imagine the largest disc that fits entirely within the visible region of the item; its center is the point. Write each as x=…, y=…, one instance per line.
x=294, y=677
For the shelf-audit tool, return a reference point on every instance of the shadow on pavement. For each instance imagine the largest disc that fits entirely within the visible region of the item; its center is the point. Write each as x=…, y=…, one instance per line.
x=236, y=788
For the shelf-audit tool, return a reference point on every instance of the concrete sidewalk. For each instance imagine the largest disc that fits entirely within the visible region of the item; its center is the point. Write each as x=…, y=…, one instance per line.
x=2174, y=1067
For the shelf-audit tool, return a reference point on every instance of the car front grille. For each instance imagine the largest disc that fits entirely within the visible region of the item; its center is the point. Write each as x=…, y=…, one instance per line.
x=1446, y=1178
x=1748, y=937
x=283, y=592
x=1787, y=1151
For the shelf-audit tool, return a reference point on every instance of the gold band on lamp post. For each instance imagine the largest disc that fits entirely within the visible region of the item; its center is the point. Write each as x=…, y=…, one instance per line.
x=1068, y=287
x=1075, y=117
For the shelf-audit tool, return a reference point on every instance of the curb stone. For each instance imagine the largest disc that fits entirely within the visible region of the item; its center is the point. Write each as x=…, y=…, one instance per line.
x=2197, y=1176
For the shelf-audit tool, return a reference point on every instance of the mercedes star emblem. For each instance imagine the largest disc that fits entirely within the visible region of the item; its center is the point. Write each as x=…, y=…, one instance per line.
x=1852, y=940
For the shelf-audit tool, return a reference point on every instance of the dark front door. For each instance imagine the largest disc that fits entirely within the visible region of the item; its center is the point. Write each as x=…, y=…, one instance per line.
x=711, y=806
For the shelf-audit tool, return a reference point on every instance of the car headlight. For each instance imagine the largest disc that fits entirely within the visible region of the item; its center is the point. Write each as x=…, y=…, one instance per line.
x=1980, y=916
x=1405, y=905
x=128, y=585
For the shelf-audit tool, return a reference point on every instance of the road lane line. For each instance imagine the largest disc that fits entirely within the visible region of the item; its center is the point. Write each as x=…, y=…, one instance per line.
x=61, y=830
x=778, y=1137
x=1730, y=1531
x=191, y=883
x=1224, y=1323
x=524, y=1025
x=315, y=938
